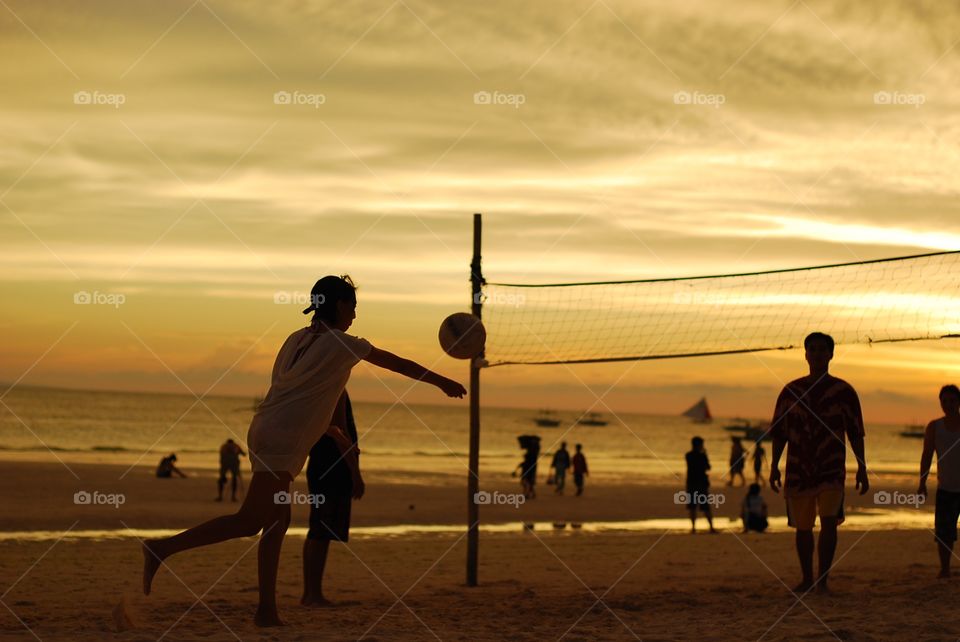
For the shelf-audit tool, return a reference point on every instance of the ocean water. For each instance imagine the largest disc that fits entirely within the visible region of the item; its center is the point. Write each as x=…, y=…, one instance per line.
x=128, y=428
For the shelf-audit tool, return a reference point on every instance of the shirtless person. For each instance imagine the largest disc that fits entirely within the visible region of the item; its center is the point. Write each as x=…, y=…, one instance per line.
x=813, y=415
x=943, y=436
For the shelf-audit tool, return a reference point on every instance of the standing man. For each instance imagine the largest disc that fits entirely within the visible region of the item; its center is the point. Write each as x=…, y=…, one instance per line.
x=943, y=436
x=561, y=461
x=579, y=469
x=230, y=454
x=333, y=480
x=813, y=416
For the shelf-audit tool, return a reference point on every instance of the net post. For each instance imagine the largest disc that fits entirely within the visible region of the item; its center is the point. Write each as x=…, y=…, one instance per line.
x=473, y=480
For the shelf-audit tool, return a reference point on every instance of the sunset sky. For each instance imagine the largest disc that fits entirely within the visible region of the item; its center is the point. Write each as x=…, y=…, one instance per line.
x=205, y=160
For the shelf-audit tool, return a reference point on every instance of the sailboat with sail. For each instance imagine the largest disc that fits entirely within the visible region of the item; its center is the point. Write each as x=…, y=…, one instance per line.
x=699, y=412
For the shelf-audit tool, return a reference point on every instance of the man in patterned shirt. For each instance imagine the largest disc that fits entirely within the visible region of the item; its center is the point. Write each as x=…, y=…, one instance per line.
x=813, y=416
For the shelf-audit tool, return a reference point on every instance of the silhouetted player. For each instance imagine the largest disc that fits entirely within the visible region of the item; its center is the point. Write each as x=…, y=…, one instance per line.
x=812, y=417
x=698, y=484
x=943, y=436
x=579, y=469
x=230, y=454
x=329, y=477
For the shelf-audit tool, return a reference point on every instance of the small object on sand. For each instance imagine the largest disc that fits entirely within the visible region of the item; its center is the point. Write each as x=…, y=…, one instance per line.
x=560, y=525
x=576, y=525
x=411, y=506
x=122, y=619
x=528, y=526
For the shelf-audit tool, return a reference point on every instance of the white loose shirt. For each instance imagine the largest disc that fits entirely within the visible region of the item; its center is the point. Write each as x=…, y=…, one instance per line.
x=299, y=406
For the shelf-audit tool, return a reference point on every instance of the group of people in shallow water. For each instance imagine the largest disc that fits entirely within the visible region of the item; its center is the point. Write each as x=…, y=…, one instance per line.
x=813, y=418
x=559, y=465
x=306, y=415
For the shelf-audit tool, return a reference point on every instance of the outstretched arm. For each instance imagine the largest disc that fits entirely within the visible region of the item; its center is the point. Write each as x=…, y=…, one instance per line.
x=414, y=370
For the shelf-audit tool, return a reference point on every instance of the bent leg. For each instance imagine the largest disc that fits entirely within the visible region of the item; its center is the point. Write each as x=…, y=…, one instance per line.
x=254, y=513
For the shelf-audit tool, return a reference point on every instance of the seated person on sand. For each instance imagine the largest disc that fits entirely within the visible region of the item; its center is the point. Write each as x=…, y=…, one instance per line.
x=753, y=511
x=166, y=468
x=943, y=436
x=309, y=375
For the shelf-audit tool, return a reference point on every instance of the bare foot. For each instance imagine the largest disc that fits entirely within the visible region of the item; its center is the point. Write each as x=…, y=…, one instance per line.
x=151, y=563
x=944, y=573
x=317, y=601
x=803, y=586
x=265, y=618
x=822, y=588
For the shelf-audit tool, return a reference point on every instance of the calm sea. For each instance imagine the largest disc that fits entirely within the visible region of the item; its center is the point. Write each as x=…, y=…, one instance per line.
x=124, y=428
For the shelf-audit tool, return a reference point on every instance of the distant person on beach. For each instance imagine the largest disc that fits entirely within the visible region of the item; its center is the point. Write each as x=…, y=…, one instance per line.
x=943, y=436
x=528, y=467
x=812, y=416
x=334, y=485
x=759, y=457
x=738, y=458
x=309, y=375
x=698, y=484
x=230, y=454
x=579, y=469
x=167, y=468
x=561, y=461
x=753, y=511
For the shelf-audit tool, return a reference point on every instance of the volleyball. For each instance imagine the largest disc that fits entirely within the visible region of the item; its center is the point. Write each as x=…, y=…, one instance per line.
x=462, y=336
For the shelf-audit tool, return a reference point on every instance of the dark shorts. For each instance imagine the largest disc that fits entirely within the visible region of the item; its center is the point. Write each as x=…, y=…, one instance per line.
x=331, y=519
x=697, y=498
x=946, y=515
x=233, y=469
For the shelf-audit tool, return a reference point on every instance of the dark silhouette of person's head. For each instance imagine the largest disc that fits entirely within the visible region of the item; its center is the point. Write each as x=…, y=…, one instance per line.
x=950, y=399
x=579, y=447
x=563, y=445
x=697, y=443
x=333, y=300
x=754, y=489
x=172, y=457
x=819, y=351
x=229, y=441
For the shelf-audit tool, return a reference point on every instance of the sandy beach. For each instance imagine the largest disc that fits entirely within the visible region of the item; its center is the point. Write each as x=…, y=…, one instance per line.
x=658, y=584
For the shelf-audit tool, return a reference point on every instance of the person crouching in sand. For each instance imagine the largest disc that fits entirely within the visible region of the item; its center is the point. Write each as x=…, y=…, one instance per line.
x=309, y=375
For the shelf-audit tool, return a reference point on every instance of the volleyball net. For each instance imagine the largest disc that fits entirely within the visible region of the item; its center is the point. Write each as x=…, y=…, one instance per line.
x=897, y=299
